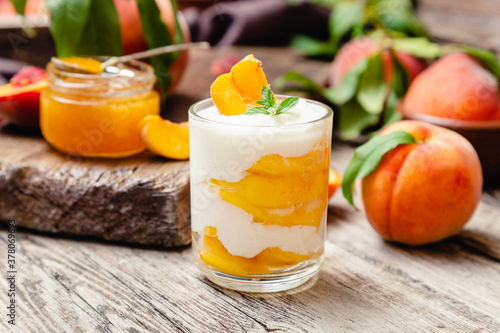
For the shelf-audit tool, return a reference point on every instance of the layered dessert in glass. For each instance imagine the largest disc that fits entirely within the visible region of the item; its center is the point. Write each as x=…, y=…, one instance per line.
x=259, y=192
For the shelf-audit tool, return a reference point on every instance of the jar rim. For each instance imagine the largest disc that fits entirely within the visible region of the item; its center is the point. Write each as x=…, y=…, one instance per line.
x=145, y=68
x=92, y=84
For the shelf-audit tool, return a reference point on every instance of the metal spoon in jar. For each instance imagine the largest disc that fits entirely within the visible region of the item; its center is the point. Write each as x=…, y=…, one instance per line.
x=94, y=66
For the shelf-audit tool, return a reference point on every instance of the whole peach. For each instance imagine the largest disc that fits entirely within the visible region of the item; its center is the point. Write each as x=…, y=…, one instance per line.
x=133, y=38
x=456, y=87
x=364, y=47
x=496, y=114
x=425, y=192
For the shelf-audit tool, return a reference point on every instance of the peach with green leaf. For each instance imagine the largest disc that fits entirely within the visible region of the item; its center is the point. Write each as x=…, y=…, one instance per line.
x=362, y=48
x=420, y=183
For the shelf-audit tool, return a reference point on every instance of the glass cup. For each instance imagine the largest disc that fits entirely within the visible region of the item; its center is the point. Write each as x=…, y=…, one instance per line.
x=259, y=199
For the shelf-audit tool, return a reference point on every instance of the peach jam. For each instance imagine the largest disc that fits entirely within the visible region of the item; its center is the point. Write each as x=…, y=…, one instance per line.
x=97, y=115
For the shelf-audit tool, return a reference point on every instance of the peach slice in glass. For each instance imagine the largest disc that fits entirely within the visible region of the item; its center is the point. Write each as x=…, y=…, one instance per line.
x=164, y=137
x=237, y=91
x=275, y=192
x=216, y=255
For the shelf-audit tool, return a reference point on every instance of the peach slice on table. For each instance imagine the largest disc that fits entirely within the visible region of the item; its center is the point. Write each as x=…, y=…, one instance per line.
x=164, y=137
x=334, y=181
x=237, y=91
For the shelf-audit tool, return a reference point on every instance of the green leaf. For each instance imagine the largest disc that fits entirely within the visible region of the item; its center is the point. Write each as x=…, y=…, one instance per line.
x=256, y=110
x=155, y=31
x=311, y=47
x=344, y=17
x=488, y=59
x=347, y=88
x=287, y=104
x=302, y=83
x=358, y=30
x=162, y=73
x=179, y=36
x=353, y=119
x=373, y=89
x=400, y=77
x=156, y=35
x=101, y=30
x=267, y=97
x=269, y=104
x=420, y=47
x=67, y=22
x=396, y=15
x=367, y=157
x=19, y=5
x=391, y=114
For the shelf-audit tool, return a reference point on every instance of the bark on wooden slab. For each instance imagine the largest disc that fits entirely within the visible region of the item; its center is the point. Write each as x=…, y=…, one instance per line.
x=142, y=200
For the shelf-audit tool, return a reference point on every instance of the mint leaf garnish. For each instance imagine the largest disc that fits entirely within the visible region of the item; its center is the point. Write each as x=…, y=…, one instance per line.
x=269, y=104
x=287, y=104
x=257, y=110
x=367, y=157
x=267, y=97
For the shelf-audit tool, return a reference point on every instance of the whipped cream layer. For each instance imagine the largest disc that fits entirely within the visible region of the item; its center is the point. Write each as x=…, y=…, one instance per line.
x=224, y=147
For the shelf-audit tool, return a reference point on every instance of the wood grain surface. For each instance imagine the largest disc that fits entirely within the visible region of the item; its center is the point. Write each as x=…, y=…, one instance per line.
x=366, y=284
x=75, y=284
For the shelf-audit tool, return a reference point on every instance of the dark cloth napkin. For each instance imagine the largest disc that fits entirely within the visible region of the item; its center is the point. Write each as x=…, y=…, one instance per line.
x=257, y=22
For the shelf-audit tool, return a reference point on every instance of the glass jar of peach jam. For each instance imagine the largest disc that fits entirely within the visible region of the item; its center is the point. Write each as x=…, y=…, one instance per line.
x=97, y=115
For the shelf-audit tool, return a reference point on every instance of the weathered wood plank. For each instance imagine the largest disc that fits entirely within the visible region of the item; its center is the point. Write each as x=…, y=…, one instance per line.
x=366, y=285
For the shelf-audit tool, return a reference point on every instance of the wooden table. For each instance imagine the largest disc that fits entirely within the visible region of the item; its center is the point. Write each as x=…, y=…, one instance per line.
x=366, y=285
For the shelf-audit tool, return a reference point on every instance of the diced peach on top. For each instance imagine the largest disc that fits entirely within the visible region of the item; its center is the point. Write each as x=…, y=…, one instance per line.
x=235, y=92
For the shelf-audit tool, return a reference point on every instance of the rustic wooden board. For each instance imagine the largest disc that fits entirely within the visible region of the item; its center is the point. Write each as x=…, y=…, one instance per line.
x=140, y=200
